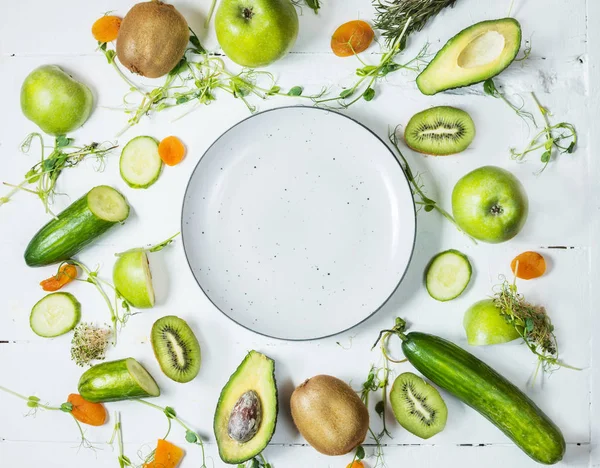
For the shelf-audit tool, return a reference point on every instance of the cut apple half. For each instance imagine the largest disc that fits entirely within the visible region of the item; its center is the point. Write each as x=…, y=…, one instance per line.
x=133, y=279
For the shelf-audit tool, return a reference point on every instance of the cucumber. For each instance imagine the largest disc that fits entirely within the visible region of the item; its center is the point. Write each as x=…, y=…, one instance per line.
x=78, y=225
x=447, y=275
x=125, y=379
x=483, y=389
x=140, y=163
x=55, y=314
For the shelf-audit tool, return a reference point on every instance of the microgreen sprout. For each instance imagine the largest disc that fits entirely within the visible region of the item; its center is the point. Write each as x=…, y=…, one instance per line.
x=191, y=436
x=154, y=248
x=561, y=137
x=34, y=404
x=423, y=201
x=256, y=462
x=532, y=323
x=489, y=87
x=117, y=437
x=195, y=81
x=44, y=174
x=89, y=343
x=314, y=5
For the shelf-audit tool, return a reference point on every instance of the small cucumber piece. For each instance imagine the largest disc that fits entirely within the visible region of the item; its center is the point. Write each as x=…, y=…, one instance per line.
x=55, y=315
x=140, y=163
x=77, y=226
x=447, y=275
x=125, y=379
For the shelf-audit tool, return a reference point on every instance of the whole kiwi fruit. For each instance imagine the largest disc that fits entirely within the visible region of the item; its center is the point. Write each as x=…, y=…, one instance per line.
x=152, y=39
x=329, y=415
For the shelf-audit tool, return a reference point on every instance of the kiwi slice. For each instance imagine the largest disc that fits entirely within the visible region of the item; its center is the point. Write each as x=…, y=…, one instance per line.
x=418, y=407
x=440, y=131
x=176, y=348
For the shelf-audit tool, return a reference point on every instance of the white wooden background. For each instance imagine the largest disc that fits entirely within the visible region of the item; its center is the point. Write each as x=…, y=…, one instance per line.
x=564, y=201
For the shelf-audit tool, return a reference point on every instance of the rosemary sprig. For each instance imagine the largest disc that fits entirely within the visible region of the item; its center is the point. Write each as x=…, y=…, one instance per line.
x=422, y=200
x=561, y=137
x=397, y=18
x=489, y=87
x=44, y=174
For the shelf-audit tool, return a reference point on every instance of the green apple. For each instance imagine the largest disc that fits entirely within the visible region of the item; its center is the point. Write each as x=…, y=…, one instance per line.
x=255, y=33
x=53, y=100
x=132, y=278
x=485, y=325
x=490, y=204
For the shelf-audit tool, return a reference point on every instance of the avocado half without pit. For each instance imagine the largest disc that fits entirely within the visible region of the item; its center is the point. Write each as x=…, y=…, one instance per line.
x=475, y=54
x=246, y=413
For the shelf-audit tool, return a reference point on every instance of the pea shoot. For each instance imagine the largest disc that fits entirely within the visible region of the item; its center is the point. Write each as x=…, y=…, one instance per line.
x=34, y=404
x=44, y=174
x=561, y=138
x=422, y=200
x=196, y=81
x=489, y=87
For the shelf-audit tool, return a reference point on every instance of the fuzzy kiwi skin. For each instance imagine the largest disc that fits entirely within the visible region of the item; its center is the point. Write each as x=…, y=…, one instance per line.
x=152, y=39
x=329, y=415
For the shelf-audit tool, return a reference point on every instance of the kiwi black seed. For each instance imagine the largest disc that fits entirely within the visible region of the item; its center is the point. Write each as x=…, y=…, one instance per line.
x=440, y=131
x=176, y=348
x=418, y=406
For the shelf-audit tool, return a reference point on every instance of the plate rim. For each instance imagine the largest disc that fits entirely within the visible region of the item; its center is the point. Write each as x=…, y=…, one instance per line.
x=414, y=236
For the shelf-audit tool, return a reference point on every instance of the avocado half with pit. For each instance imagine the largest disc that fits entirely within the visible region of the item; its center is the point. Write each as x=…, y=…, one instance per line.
x=246, y=413
x=475, y=54
x=133, y=280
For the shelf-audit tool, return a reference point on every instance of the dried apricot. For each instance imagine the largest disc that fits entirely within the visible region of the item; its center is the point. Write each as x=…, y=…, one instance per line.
x=86, y=412
x=66, y=274
x=528, y=265
x=352, y=38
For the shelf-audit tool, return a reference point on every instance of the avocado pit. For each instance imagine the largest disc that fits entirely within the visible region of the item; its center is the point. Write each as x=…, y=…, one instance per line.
x=245, y=418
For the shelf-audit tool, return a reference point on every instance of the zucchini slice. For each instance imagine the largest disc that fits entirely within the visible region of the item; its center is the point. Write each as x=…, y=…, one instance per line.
x=140, y=163
x=77, y=226
x=447, y=275
x=55, y=314
x=125, y=379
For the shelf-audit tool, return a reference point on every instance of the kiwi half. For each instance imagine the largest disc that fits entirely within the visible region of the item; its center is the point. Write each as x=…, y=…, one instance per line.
x=440, y=131
x=418, y=407
x=176, y=348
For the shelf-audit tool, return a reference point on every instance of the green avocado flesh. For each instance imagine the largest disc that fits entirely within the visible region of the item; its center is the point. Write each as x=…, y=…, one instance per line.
x=475, y=54
x=255, y=373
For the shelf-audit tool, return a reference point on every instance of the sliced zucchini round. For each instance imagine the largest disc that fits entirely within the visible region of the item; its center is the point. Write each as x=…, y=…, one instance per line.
x=447, y=275
x=140, y=163
x=55, y=314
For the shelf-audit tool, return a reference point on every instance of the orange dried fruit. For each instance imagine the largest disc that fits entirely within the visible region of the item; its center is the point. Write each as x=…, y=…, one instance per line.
x=352, y=38
x=66, y=274
x=93, y=414
x=530, y=265
x=106, y=29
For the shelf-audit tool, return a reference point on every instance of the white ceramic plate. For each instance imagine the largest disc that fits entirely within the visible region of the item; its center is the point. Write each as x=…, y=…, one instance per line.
x=298, y=223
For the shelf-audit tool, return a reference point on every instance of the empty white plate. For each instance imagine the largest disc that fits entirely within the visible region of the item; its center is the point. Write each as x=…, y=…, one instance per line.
x=298, y=223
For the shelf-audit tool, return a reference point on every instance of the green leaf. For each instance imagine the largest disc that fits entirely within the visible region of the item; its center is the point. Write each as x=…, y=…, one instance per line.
x=33, y=398
x=62, y=141
x=429, y=208
x=254, y=463
x=380, y=408
x=198, y=48
x=295, y=91
x=182, y=100
x=110, y=56
x=571, y=148
x=360, y=452
x=347, y=93
x=546, y=156
x=170, y=413
x=490, y=88
x=191, y=437
x=274, y=90
x=529, y=324
x=66, y=407
x=179, y=68
x=369, y=94
x=314, y=5
x=32, y=404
